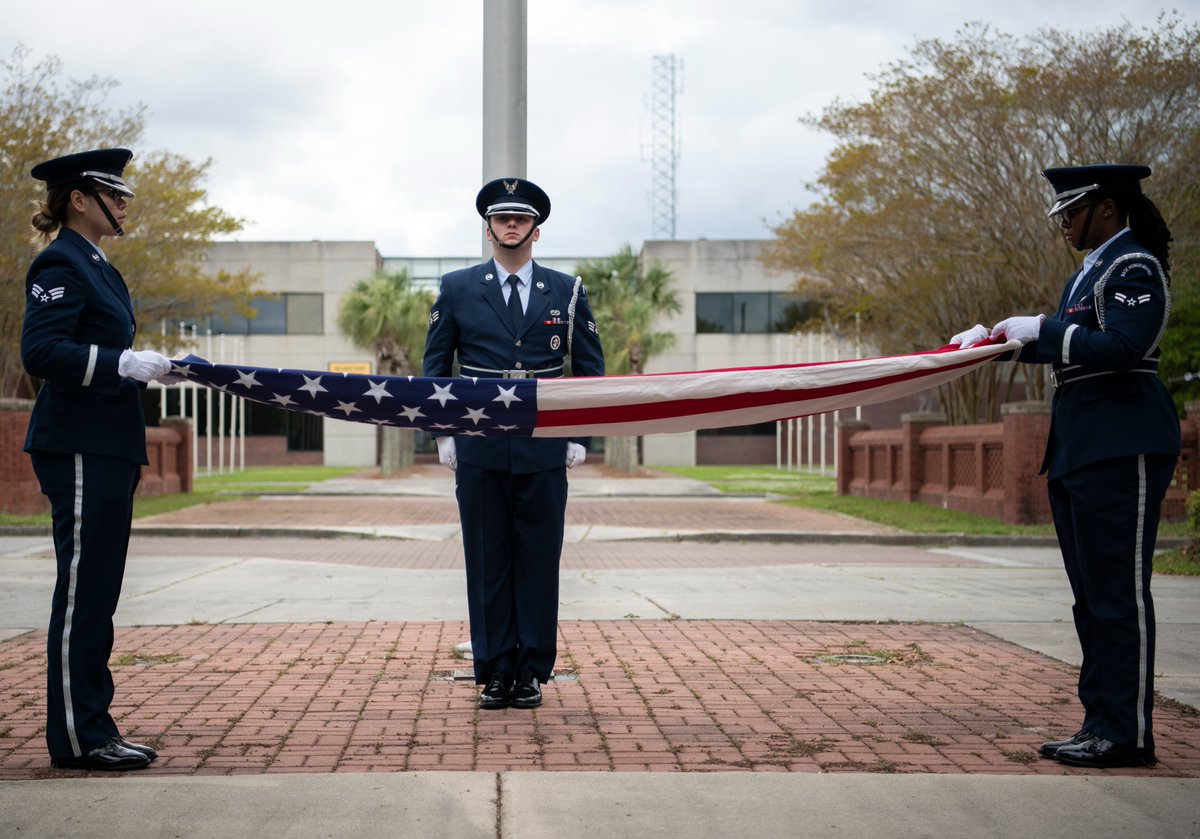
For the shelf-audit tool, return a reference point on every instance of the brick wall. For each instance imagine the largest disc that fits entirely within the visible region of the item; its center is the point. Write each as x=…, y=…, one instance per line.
x=19, y=491
x=989, y=470
x=170, y=468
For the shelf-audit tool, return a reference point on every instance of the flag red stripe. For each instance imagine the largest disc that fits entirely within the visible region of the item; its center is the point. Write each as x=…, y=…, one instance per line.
x=665, y=409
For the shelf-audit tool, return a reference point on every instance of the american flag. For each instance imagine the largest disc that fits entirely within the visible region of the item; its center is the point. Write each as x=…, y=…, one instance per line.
x=592, y=406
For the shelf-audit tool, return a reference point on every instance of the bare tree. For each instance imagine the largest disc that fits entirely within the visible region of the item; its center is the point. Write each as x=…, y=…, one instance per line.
x=932, y=215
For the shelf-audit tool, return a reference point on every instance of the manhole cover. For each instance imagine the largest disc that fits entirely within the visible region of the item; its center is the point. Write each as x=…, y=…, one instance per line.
x=856, y=659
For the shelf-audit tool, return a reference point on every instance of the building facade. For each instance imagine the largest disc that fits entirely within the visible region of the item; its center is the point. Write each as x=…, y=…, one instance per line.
x=735, y=313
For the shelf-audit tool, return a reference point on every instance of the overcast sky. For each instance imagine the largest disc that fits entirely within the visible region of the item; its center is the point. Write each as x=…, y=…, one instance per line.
x=356, y=120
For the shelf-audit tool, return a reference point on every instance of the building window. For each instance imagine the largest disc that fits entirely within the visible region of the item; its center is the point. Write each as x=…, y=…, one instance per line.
x=762, y=429
x=761, y=312
x=280, y=314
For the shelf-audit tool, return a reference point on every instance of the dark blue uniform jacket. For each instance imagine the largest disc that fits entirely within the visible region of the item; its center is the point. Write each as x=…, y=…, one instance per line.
x=471, y=317
x=78, y=320
x=1103, y=341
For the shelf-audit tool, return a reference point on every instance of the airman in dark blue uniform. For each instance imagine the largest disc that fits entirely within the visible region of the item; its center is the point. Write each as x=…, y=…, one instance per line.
x=511, y=318
x=1114, y=441
x=87, y=441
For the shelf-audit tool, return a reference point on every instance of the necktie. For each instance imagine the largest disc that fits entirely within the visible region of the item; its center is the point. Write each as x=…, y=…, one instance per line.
x=514, y=302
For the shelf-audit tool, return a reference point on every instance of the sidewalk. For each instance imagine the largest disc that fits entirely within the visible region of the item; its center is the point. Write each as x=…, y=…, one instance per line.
x=308, y=686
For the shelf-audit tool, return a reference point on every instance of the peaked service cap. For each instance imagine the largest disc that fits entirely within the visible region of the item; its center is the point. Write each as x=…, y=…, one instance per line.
x=102, y=166
x=1072, y=183
x=513, y=195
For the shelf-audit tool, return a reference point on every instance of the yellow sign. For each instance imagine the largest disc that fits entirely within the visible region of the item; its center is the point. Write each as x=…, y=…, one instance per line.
x=362, y=368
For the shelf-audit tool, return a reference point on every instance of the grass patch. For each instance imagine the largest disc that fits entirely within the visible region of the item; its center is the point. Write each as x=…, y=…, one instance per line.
x=819, y=492
x=922, y=739
x=1183, y=562
x=144, y=660
x=279, y=474
x=230, y=486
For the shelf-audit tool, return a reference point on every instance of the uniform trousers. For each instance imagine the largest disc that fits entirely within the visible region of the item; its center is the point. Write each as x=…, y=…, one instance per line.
x=91, y=501
x=512, y=526
x=1106, y=516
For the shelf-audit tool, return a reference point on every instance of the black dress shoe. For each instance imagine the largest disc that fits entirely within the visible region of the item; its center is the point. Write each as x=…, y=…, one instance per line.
x=138, y=747
x=527, y=693
x=497, y=693
x=1051, y=748
x=1099, y=753
x=113, y=756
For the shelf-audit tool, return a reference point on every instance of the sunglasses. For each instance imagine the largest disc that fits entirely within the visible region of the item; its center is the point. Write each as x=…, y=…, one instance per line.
x=1067, y=216
x=116, y=196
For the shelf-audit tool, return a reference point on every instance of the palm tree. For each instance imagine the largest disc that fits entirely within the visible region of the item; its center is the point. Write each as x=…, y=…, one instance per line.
x=627, y=298
x=386, y=315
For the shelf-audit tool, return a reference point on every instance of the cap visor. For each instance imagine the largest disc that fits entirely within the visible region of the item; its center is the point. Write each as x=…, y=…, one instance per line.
x=515, y=209
x=1065, y=204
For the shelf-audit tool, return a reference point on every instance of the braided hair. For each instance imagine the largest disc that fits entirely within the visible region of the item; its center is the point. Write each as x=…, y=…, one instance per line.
x=1148, y=225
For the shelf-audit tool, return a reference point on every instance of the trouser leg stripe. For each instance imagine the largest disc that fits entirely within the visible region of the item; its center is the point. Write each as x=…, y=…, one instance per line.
x=68, y=708
x=1140, y=597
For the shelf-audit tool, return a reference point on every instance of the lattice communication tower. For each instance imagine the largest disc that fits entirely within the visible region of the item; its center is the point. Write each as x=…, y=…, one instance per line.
x=664, y=149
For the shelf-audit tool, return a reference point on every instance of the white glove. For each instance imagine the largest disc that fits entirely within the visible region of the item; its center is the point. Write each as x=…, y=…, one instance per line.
x=576, y=454
x=971, y=337
x=448, y=453
x=145, y=366
x=1024, y=328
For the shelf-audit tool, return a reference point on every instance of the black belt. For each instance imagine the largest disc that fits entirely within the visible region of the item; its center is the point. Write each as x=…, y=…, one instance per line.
x=485, y=373
x=1065, y=375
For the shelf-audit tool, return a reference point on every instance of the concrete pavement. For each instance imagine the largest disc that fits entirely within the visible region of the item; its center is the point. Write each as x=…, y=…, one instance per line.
x=742, y=636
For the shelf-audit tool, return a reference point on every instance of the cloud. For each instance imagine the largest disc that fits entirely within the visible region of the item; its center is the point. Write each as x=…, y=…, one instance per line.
x=359, y=120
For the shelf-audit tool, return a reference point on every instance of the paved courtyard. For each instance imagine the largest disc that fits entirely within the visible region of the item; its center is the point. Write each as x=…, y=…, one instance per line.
x=288, y=637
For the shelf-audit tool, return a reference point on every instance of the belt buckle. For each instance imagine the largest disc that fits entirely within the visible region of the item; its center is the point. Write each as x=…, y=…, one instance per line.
x=1056, y=379
x=516, y=374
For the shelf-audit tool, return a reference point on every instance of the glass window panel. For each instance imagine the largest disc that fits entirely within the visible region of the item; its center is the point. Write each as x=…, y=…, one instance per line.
x=764, y=429
x=750, y=312
x=272, y=316
x=788, y=311
x=305, y=314
x=714, y=313
x=229, y=323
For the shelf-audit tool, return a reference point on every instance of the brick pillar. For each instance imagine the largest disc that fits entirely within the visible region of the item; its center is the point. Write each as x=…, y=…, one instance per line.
x=1026, y=427
x=845, y=459
x=912, y=476
x=183, y=452
x=20, y=493
x=1190, y=459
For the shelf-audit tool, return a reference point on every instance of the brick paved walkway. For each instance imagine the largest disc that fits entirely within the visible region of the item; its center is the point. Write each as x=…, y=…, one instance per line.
x=639, y=696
